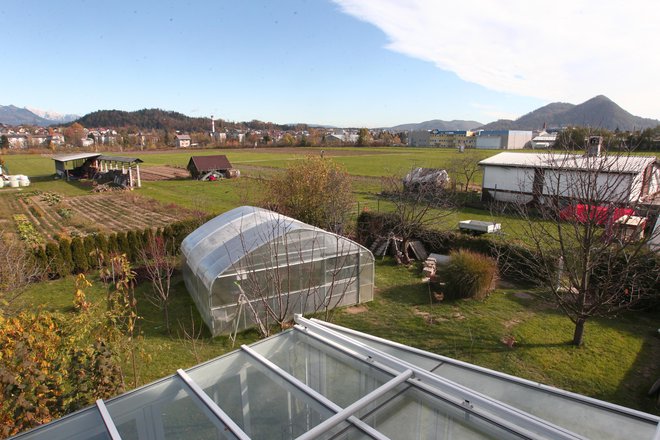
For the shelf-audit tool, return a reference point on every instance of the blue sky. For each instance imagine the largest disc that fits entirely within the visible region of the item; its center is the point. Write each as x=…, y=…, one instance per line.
x=341, y=62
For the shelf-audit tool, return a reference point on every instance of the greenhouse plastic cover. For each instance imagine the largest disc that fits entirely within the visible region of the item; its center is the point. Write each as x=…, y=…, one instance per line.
x=322, y=381
x=218, y=244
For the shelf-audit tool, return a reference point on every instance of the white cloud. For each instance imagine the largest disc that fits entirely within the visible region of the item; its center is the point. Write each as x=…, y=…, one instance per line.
x=564, y=50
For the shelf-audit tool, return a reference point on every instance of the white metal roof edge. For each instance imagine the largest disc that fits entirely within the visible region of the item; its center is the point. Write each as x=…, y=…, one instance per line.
x=76, y=156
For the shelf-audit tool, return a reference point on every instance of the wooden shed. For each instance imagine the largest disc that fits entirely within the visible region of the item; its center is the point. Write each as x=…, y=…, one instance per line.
x=201, y=167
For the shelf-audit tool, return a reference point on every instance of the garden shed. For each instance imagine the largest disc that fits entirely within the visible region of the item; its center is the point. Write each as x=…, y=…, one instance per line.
x=201, y=167
x=250, y=265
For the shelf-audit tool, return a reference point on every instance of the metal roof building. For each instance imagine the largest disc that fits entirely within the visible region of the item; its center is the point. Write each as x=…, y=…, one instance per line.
x=251, y=260
x=322, y=381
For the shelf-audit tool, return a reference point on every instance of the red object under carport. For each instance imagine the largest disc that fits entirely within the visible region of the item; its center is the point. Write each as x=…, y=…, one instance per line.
x=601, y=215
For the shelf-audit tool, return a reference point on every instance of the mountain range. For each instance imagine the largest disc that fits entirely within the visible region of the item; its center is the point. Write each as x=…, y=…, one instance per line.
x=12, y=115
x=597, y=112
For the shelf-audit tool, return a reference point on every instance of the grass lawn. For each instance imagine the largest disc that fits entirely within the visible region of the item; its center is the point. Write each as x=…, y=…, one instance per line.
x=166, y=353
x=618, y=362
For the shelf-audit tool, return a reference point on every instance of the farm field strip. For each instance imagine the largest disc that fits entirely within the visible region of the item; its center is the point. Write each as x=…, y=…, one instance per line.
x=88, y=214
x=125, y=216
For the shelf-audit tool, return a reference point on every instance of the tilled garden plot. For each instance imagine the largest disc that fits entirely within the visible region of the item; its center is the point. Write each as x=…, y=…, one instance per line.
x=83, y=215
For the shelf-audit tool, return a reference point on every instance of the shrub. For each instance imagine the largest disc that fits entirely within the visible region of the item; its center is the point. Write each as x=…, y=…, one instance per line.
x=470, y=275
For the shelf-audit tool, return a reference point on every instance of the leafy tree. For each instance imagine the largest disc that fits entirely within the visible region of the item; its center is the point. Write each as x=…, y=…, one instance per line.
x=314, y=190
x=364, y=137
x=4, y=142
x=74, y=134
x=51, y=366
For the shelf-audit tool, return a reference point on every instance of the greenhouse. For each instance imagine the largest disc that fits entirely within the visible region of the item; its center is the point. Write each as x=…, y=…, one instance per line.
x=250, y=266
x=321, y=381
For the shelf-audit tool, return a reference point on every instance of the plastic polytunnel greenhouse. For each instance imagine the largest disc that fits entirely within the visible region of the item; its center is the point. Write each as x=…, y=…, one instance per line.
x=321, y=381
x=250, y=266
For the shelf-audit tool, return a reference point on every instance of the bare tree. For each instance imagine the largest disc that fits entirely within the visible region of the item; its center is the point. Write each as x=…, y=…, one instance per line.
x=159, y=264
x=465, y=165
x=417, y=207
x=18, y=268
x=590, y=253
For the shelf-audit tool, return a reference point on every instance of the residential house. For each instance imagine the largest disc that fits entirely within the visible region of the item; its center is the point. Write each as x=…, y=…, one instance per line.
x=182, y=141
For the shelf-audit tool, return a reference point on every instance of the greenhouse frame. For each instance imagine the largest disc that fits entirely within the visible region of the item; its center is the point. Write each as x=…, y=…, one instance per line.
x=250, y=266
x=322, y=381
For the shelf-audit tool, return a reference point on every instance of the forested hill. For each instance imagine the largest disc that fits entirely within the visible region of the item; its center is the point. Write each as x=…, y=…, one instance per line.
x=156, y=119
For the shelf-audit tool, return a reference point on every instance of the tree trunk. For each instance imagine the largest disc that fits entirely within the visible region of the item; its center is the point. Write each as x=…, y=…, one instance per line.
x=578, y=335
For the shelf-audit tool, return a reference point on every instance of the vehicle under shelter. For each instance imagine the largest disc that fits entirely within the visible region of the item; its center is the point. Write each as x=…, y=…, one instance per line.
x=250, y=266
x=123, y=171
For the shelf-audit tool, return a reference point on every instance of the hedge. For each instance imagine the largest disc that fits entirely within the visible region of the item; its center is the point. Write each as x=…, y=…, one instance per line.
x=80, y=254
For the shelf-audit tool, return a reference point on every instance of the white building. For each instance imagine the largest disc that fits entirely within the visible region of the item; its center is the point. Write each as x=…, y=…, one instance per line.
x=503, y=139
x=523, y=177
x=544, y=140
x=182, y=141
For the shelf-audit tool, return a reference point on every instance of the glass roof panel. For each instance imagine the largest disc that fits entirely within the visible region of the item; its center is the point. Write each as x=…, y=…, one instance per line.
x=164, y=410
x=592, y=420
x=260, y=402
x=82, y=425
x=335, y=375
x=408, y=412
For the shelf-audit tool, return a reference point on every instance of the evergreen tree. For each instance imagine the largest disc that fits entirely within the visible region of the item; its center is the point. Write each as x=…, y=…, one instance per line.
x=133, y=245
x=41, y=258
x=67, y=257
x=55, y=262
x=79, y=256
x=90, y=250
x=113, y=244
x=101, y=243
x=122, y=244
